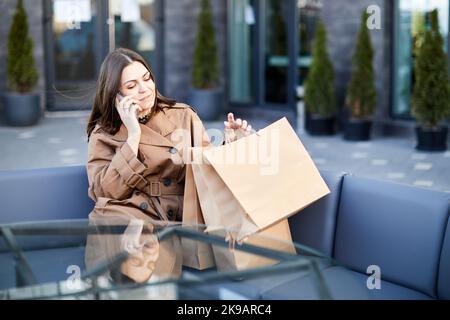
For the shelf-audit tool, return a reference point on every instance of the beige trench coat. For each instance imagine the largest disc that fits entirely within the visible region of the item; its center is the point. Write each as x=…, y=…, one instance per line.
x=148, y=186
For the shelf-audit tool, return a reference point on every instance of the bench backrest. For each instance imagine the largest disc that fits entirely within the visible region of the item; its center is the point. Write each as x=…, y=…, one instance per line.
x=444, y=267
x=397, y=227
x=44, y=197
x=315, y=225
x=44, y=194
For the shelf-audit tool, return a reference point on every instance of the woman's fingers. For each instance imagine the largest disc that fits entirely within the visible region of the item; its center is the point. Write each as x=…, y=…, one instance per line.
x=231, y=245
x=242, y=241
x=135, y=108
x=126, y=102
x=122, y=106
x=238, y=125
x=131, y=247
x=123, y=101
x=230, y=121
x=130, y=108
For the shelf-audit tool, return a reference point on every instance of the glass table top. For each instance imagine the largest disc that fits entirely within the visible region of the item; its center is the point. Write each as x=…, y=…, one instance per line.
x=46, y=260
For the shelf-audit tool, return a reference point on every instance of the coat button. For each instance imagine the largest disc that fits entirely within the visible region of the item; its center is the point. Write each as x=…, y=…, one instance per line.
x=143, y=205
x=173, y=150
x=167, y=182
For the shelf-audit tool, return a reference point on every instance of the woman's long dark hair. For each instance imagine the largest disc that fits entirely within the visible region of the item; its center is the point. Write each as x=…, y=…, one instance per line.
x=104, y=111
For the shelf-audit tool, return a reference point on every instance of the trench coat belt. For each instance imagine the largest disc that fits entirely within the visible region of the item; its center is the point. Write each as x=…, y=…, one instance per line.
x=157, y=188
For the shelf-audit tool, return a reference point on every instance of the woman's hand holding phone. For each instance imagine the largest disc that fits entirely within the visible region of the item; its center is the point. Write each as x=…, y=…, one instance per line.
x=129, y=109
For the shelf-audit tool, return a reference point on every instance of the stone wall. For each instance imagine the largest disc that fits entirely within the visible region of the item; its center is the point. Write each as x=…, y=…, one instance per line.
x=180, y=20
x=342, y=20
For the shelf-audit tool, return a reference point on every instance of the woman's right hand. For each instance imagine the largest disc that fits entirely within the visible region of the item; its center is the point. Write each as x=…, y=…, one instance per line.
x=128, y=109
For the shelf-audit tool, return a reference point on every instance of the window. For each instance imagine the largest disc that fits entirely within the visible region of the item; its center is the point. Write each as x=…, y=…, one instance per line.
x=135, y=26
x=412, y=19
x=241, y=23
x=73, y=47
x=276, y=51
x=309, y=14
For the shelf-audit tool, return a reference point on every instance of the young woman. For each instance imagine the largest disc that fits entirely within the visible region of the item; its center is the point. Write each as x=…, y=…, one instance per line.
x=136, y=166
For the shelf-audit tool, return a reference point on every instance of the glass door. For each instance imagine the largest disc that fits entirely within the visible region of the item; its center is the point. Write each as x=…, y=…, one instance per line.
x=80, y=33
x=74, y=52
x=309, y=14
x=276, y=55
x=241, y=36
x=135, y=27
x=412, y=18
x=261, y=54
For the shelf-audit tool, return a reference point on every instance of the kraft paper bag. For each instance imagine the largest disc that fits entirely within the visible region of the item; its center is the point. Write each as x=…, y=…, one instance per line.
x=269, y=174
x=277, y=237
x=196, y=254
x=250, y=187
x=219, y=205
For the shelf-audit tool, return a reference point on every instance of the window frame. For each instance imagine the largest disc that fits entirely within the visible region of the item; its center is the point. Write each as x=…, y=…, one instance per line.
x=394, y=63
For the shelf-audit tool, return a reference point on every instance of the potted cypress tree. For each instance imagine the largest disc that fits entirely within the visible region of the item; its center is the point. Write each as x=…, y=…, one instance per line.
x=320, y=97
x=431, y=92
x=21, y=106
x=361, y=92
x=205, y=94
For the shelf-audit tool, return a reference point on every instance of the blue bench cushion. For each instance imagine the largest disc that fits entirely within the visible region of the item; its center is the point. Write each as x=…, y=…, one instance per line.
x=244, y=288
x=314, y=226
x=343, y=284
x=234, y=289
x=44, y=194
x=396, y=227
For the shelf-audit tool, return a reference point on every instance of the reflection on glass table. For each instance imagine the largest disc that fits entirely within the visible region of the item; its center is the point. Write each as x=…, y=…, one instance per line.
x=45, y=260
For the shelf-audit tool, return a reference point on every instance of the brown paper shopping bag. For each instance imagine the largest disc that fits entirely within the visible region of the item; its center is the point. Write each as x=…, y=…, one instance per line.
x=269, y=173
x=221, y=209
x=251, y=186
x=196, y=254
x=276, y=237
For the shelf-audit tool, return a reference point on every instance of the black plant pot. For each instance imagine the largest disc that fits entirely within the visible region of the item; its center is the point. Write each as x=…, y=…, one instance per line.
x=207, y=103
x=432, y=139
x=21, y=109
x=317, y=125
x=357, y=130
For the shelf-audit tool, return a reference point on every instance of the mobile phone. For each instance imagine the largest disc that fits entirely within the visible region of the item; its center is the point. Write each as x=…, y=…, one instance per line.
x=119, y=96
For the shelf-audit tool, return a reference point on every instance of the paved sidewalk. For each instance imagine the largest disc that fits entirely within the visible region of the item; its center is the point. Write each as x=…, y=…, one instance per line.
x=60, y=140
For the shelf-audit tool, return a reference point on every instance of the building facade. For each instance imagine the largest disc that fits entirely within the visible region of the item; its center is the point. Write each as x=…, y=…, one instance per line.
x=264, y=48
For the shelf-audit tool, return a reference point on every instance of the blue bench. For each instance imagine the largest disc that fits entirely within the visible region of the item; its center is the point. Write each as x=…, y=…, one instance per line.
x=44, y=197
x=403, y=230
